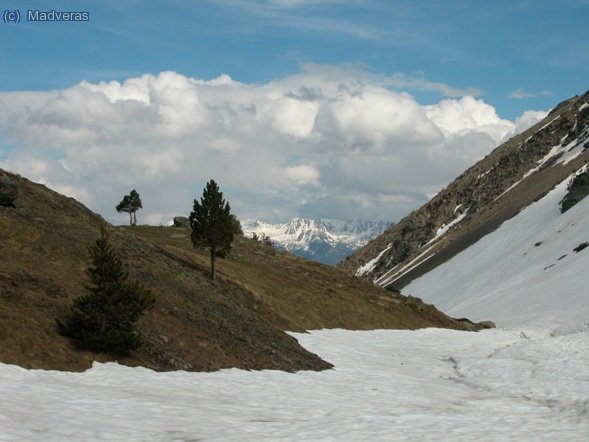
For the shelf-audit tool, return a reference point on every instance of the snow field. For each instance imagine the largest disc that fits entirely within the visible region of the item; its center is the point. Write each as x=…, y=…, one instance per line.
x=431, y=384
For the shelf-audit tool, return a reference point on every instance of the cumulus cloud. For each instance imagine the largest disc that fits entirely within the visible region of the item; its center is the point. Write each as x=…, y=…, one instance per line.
x=326, y=141
x=528, y=119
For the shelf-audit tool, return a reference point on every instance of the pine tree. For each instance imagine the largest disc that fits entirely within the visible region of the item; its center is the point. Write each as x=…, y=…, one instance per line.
x=130, y=204
x=212, y=224
x=104, y=318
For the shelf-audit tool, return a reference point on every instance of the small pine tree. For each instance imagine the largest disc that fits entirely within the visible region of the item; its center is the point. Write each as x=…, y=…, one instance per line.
x=103, y=320
x=131, y=204
x=237, y=229
x=212, y=224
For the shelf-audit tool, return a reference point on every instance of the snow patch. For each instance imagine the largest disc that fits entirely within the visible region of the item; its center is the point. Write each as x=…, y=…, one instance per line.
x=392, y=275
x=369, y=266
x=565, y=152
x=446, y=227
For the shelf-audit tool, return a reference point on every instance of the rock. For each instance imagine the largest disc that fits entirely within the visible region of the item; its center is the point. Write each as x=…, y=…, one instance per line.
x=475, y=326
x=8, y=191
x=181, y=221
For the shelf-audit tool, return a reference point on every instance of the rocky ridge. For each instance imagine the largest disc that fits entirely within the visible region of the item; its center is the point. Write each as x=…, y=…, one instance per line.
x=478, y=201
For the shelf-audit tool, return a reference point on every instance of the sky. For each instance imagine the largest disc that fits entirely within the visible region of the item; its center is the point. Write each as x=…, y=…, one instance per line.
x=326, y=108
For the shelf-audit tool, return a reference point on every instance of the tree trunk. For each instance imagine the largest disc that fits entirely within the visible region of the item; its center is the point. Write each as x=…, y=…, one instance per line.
x=130, y=218
x=213, y=263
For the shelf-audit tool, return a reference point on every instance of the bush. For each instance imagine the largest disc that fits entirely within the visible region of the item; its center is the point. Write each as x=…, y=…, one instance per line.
x=8, y=191
x=263, y=238
x=415, y=303
x=103, y=319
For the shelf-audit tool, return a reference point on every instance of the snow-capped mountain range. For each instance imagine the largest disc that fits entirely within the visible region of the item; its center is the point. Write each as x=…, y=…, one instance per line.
x=324, y=240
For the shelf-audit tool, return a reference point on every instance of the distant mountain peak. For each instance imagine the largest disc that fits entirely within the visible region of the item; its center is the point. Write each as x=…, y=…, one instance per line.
x=321, y=239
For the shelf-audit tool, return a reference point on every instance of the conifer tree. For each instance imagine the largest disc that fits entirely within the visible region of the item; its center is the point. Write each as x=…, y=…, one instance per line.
x=212, y=224
x=104, y=318
x=131, y=204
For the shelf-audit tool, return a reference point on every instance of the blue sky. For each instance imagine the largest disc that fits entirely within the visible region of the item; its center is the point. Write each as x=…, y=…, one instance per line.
x=510, y=56
x=495, y=48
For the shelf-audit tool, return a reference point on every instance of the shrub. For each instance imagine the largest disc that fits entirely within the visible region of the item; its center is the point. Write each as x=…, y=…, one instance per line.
x=415, y=303
x=8, y=191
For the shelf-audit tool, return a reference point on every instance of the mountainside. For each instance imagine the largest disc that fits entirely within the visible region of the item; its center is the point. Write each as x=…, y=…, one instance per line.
x=529, y=271
x=323, y=240
x=513, y=176
x=196, y=324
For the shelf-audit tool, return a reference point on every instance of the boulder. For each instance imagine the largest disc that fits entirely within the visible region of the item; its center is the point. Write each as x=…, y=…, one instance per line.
x=181, y=221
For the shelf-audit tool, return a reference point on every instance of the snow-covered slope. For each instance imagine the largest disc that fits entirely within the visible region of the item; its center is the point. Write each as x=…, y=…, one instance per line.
x=323, y=240
x=531, y=270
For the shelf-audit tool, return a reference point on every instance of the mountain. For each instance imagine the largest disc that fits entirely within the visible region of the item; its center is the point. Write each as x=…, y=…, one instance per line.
x=323, y=240
x=531, y=270
x=240, y=320
x=495, y=241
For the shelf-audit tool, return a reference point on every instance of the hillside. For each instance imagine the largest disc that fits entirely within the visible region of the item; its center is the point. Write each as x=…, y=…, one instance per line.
x=238, y=321
x=322, y=240
x=495, y=189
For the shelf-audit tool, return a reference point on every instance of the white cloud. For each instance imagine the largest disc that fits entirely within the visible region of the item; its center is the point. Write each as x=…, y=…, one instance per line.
x=520, y=94
x=295, y=117
x=302, y=175
x=528, y=119
x=326, y=141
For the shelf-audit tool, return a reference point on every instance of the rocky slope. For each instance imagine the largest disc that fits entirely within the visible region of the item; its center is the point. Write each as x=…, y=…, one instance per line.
x=495, y=189
x=237, y=321
x=323, y=240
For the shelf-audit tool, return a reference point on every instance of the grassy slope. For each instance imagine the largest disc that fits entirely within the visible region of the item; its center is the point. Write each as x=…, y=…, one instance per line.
x=238, y=321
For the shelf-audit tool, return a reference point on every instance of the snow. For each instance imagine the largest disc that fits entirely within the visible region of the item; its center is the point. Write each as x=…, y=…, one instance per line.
x=524, y=273
x=299, y=233
x=370, y=265
x=575, y=148
x=433, y=384
x=392, y=275
x=446, y=227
